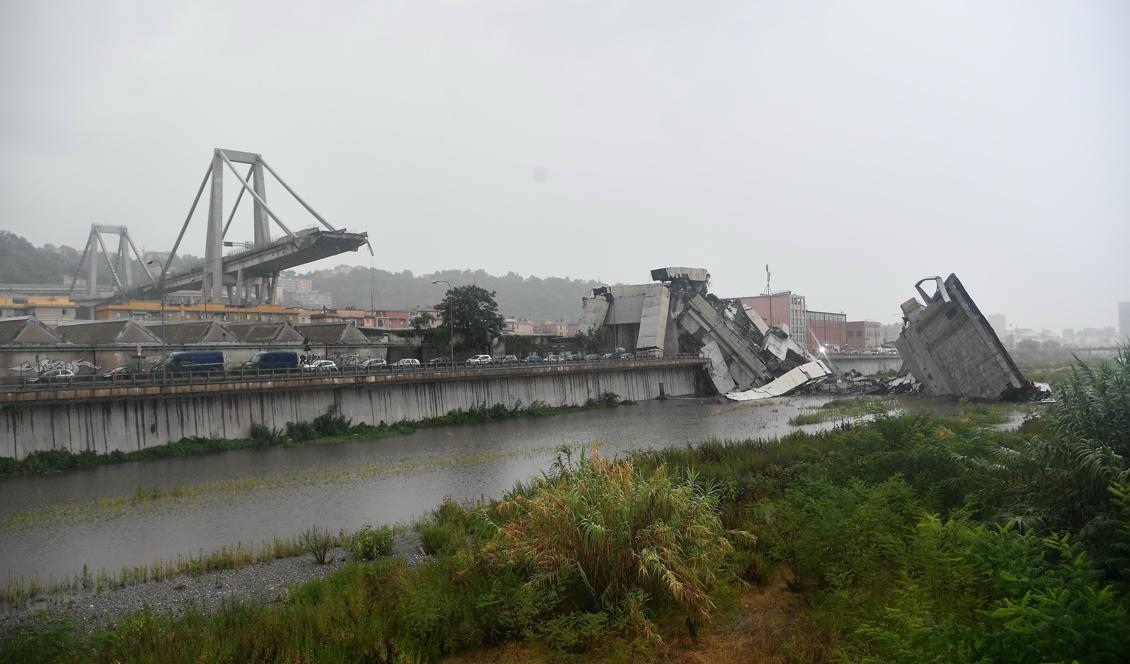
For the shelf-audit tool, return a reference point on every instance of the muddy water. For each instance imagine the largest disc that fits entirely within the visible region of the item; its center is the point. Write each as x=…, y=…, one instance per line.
x=72, y=519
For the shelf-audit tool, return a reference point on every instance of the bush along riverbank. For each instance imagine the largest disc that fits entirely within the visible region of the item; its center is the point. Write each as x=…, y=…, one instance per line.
x=905, y=538
x=331, y=427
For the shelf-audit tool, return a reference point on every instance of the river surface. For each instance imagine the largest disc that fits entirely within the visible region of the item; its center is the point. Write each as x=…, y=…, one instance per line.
x=51, y=526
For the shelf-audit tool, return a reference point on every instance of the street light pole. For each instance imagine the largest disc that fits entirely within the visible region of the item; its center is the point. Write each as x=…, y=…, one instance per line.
x=164, y=340
x=450, y=320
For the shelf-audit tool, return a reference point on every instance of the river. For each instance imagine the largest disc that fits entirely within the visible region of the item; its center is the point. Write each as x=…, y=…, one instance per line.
x=51, y=526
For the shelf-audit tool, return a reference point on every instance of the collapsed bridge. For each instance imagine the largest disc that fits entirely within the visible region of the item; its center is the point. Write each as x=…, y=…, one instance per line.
x=749, y=359
x=246, y=276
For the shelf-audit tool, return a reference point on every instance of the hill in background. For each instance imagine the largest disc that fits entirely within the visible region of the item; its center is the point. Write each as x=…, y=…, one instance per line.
x=552, y=298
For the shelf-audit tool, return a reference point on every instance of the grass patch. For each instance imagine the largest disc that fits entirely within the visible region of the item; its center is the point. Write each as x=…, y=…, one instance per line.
x=18, y=592
x=843, y=410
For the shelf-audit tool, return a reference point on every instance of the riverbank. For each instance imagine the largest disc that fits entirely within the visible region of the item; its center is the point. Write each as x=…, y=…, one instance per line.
x=325, y=429
x=263, y=581
x=862, y=533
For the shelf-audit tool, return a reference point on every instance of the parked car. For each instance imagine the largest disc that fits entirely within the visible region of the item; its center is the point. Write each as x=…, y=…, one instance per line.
x=534, y=359
x=626, y=356
x=607, y=356
x=510, y=359
x=374, y=362
x=553, y=358
x=120, y=373
x=54, y=376
x=592, y=357
x=436, y=361
x=480, y=359
x=408, y=363
x=321, y=365
x=270, y=360
x=192, y=361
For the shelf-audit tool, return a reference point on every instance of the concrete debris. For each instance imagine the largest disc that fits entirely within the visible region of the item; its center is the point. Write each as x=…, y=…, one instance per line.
x=952, y=350
x=749, y=359
x=903, y=384
x=812, y=373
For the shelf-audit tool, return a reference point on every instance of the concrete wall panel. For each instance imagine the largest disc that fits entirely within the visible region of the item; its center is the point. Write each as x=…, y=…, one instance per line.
x=135, y=423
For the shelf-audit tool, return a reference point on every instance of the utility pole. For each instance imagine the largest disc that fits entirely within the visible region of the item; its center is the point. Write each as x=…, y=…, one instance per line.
x=450, y=319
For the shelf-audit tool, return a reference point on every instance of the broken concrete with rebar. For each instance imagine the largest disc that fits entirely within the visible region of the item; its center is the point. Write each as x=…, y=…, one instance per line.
x=749, y=359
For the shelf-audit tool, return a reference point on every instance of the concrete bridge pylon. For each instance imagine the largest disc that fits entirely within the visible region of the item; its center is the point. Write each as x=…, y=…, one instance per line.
x=120, y=265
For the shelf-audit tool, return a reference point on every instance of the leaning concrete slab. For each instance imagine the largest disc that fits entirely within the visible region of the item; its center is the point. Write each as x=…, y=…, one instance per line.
x=951, y=348
x=812, y=373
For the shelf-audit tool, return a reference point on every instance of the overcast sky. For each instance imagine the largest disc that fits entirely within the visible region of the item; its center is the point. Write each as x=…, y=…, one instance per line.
x=855, y=147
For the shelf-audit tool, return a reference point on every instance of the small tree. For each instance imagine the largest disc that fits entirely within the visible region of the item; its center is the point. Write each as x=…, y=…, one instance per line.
x=473, y=313
x=423, y=321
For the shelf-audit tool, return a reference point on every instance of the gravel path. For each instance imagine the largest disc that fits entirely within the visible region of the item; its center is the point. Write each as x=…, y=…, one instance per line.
x=262, y=582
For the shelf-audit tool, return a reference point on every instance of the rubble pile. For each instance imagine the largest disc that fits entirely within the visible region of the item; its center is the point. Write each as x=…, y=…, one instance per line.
x=749, y=359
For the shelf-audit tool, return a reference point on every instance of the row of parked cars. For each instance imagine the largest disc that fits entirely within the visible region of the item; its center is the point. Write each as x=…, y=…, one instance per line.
x=213, y=362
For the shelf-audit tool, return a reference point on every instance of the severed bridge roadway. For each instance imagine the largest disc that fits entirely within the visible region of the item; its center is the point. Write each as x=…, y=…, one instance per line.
x=287, y=252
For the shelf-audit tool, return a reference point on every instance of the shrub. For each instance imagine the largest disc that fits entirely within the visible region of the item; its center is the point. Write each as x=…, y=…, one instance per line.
x=976, y=593
x=332, y=423
x=370, y=544
x=264, y=435
x=611, y=538
x=840, y=537
x=572, y=632
x=300, y=431
x=318, y=541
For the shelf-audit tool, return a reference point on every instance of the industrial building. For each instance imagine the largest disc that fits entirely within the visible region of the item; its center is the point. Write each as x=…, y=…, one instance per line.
x=864, y=334
x=781, y=309
x=825, y=329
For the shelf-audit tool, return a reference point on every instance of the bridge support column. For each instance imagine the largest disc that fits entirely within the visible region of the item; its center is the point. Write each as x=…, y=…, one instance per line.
x=240, y=291
x=262, y=223
x=92, y=275
x=214, y=247
x=124, y=261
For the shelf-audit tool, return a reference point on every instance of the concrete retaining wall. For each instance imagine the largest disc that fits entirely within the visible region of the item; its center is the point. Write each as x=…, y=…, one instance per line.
x=865, y=364
x=130, y=423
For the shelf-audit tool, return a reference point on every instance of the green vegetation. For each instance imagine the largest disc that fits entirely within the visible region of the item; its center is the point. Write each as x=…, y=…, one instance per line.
x=905, y=538
x=473, y=313
x=331, y=427
x=319, y=542
x=843, y=409
x=369, y=543
x=18, y=592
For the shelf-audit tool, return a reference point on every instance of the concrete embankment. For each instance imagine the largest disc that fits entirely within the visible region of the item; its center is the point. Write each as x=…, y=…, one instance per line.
x=105, y=419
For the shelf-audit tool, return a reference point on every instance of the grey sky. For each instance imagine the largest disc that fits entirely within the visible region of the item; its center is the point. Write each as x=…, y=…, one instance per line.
x=855, y=147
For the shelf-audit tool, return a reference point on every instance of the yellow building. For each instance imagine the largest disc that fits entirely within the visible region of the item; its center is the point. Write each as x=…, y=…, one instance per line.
x=47, y=309
x=152, y=310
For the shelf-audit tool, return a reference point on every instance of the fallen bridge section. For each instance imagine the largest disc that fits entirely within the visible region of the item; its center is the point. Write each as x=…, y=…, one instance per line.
x=951, y=348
